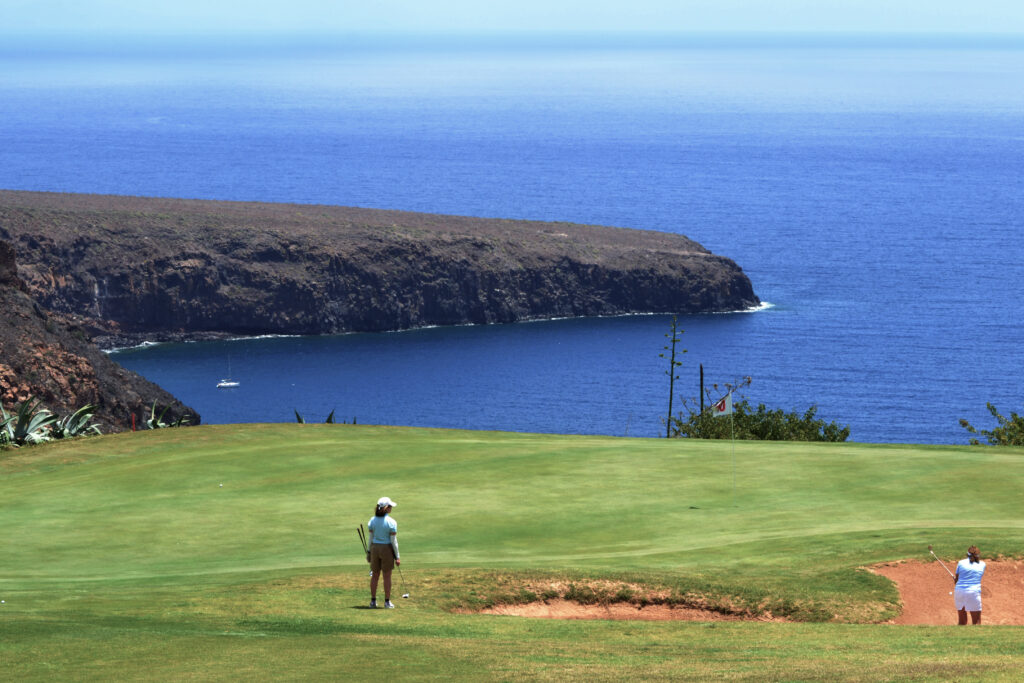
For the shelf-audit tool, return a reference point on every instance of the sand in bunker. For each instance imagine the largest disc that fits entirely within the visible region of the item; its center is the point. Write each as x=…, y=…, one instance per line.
x=620, y=611
x=924, y=589
x=925, y=592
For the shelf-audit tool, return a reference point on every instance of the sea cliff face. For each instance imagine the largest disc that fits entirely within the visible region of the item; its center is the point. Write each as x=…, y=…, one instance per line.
x=137, y=268
x=43, y=356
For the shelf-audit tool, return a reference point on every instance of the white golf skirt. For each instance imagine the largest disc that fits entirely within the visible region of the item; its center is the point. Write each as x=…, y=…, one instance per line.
x=967, y=599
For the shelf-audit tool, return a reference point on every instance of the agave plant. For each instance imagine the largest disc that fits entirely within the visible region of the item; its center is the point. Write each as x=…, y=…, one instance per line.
x=5, y=437
x=157, y=421
x=30, y=424
x=78, y=423
x=330, y=418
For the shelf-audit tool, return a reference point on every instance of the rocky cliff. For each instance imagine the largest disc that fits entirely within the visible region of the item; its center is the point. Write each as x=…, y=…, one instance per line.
x=42, y=356
x=136, y=268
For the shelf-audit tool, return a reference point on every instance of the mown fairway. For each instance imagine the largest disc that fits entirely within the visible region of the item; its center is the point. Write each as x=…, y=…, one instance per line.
x=123, y=557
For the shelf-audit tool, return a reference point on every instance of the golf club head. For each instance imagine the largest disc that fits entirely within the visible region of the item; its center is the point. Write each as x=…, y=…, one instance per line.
x=929, y=548
x=405, y=595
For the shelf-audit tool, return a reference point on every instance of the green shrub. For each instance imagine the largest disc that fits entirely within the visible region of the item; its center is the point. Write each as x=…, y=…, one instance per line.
x=1008, y=432
x=760, y=424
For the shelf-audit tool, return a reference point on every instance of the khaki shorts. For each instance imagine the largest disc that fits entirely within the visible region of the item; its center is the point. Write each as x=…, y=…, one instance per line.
x=382, y=557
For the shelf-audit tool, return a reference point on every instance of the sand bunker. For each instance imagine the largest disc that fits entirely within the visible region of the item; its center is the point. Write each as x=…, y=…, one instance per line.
x=620, y=611
x=924, y=589
x=603, y=601
x=925, y=592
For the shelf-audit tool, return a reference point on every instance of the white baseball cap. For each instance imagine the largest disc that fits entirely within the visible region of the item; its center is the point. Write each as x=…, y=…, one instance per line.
x=385, y=501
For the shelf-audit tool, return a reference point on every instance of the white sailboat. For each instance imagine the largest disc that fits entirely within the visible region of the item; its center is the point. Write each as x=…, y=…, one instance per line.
x=228, y=383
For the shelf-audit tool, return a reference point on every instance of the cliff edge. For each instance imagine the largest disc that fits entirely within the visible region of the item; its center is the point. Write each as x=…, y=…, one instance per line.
x=133, y=268
x=42, y=356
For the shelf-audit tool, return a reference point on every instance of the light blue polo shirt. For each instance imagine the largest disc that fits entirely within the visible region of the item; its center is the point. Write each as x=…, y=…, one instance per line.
x=381, y=529
x=969, y=575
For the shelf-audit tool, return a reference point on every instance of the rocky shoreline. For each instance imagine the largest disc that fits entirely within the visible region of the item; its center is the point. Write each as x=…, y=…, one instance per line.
x=84, y=272
x=129, y=269
x=45, y=356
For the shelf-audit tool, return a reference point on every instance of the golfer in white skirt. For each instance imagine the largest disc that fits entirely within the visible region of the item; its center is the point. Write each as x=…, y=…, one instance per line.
x=967, y=593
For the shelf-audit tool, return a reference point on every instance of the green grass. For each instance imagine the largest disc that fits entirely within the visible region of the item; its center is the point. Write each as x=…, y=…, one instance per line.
x=123, y=556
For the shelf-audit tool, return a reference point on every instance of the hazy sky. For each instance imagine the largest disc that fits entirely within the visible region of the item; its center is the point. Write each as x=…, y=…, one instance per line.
x=202, y=16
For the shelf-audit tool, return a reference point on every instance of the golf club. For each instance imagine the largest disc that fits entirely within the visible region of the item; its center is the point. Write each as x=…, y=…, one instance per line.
x=943, y=566
x=404, y=595
x=366, y=549
x=940, y=562
x=395, y=551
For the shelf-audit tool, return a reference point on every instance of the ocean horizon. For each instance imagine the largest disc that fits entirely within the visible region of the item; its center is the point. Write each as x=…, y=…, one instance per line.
x=870, y=186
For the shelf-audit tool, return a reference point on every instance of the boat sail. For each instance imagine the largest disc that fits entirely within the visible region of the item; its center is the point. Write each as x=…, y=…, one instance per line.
x=228, y=383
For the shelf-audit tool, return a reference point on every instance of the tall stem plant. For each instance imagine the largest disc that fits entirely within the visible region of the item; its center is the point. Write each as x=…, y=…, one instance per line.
x=673, y=338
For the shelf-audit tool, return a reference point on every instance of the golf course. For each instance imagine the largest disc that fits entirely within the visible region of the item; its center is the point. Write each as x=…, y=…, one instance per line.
x=230, y=552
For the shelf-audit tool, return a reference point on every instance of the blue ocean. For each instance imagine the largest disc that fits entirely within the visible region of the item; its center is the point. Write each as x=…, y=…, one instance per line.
x=873, y=190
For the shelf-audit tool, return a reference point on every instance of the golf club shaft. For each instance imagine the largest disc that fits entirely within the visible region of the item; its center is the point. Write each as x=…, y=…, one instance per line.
x=405, y=593
x=940, y=562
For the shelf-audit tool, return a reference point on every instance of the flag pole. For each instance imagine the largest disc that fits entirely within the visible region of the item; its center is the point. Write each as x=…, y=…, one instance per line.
x=724, y=407
x=732, y=433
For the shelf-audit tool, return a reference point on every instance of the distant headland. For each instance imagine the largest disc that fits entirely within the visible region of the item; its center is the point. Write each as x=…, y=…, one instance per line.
x=129, y=269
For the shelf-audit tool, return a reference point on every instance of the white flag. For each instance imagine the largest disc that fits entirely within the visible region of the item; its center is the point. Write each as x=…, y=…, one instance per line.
x=724, y=406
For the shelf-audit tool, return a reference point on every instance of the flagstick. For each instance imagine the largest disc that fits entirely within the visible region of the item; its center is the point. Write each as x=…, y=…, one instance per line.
x=732, y=433
x=719, y=409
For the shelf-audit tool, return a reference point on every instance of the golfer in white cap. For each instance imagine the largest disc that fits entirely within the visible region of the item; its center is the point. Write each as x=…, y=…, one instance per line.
x=383, y=554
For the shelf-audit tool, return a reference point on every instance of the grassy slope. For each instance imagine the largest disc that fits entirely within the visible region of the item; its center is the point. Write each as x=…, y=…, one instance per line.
x=123, y=553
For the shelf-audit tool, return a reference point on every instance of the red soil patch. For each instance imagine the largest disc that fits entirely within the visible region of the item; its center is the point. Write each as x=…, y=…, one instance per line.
x=925, y=592
x=619, y=611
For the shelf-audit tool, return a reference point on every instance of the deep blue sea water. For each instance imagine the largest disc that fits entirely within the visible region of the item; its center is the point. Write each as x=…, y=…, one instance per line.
x=874, y=194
